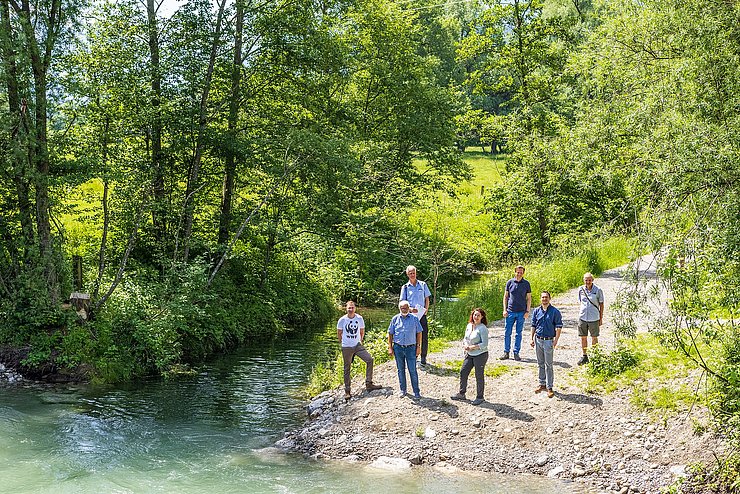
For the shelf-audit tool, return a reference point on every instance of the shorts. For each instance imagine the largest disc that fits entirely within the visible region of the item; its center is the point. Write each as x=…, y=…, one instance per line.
x=586, y=327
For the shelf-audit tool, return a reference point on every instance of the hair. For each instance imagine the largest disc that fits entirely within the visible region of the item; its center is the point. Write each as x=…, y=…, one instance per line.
x=520, y=266
x=403, y=302
x=587, y=274
x=350, y=302
x=410, y=267
x=483, y=318
x=545, y=291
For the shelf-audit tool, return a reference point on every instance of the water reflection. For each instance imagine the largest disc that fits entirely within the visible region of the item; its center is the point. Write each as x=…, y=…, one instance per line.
x=211, y=432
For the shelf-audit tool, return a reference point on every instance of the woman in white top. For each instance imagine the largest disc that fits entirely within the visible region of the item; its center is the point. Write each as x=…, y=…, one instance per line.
x=475, y=347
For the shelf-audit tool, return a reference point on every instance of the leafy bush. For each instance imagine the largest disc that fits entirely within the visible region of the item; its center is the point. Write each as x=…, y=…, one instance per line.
x=613, y=363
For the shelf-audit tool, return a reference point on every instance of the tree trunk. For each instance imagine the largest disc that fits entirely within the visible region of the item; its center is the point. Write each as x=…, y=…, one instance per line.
x=202, y=121
x=227, y=191
x=158, y=216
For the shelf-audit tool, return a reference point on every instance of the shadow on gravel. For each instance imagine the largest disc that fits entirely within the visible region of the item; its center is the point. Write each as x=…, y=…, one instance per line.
x=507, y=411
x=439, y=406
x=580, y=399
x=438, y=370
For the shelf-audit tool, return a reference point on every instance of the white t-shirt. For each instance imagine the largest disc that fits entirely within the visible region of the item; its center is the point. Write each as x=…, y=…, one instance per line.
x=351, y=329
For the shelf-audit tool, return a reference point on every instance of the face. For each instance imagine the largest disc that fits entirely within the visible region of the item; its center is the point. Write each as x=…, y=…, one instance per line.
x=545, y=299
x=477, y=316
x=350, y=308
x=411, y=274
x=588, y=281
x=519, y=273
x=404, y=309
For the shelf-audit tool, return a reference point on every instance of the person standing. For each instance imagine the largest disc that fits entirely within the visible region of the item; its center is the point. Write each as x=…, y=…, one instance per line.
x=417, y=293
x=404, y=343
x=351, y=333
x=547, y=323
x=475, y=346
x=517, y=302
x=591, y=299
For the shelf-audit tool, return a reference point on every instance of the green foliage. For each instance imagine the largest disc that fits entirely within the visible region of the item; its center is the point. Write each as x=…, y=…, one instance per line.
x=610, y=364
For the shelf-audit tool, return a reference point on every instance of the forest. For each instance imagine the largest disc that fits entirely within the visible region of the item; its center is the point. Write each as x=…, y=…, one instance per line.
x=211, y=172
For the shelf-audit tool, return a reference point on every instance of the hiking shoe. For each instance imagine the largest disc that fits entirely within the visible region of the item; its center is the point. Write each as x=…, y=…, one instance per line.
x=400, y=394
x=416, y=397
x=458, y=397
x=347, y=395
x=477, y=401
x=550, y=393
x=540, y=388
x=505, y=356
x=372, y=386
x=584, y=360
x=517, y=357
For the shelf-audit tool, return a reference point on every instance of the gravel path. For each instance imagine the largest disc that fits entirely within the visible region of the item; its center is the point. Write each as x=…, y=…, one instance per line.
x=600, y=440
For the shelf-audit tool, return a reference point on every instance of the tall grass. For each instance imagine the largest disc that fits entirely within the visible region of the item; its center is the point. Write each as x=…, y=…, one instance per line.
x=557, y=274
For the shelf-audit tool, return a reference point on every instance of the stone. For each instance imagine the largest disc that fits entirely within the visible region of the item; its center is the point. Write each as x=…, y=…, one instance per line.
x=429, y=433
x=554, y=472
x=577, y=472
x=542, y=460
x=391, y=463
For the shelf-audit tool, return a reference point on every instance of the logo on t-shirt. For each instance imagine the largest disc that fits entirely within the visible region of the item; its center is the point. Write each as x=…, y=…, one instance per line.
x=352, y=327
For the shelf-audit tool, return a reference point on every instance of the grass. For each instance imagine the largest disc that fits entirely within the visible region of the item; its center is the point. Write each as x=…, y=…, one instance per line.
x=659, y=380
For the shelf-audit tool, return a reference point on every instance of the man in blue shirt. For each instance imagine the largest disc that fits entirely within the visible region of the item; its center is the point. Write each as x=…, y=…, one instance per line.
x=404, y=343
x=547, y=322
x=517, y=302
x=417, y=293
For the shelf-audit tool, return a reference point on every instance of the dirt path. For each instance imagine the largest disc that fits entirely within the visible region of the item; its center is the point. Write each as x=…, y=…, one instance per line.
x=601, y=440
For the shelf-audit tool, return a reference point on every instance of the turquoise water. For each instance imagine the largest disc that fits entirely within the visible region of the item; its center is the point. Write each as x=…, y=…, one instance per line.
x=209, y=433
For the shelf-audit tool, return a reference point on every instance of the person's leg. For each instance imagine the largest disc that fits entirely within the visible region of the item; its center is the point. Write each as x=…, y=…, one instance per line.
x=507, y=332
x=368, y=359
x=480, y=374
x=539, y=351
x=398, y=352
x=519, y=329
x=411, y=364
x=583, y=333
x=584, y=344
x=548, y=351
x=347, y=353
x=467, y=366
x=424, y=339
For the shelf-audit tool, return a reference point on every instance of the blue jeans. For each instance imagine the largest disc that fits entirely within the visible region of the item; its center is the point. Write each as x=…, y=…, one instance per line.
x=406, y=357
x=545, y=351
x=519, y=318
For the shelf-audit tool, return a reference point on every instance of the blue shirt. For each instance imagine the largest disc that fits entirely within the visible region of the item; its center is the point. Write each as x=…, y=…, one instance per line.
x=518, y=291
x=415, y=294
x=404, y=329
x=545, y=322
x=590, y=302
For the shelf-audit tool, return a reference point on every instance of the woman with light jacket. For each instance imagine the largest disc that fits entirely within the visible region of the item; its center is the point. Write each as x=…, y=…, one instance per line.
x=475, y=347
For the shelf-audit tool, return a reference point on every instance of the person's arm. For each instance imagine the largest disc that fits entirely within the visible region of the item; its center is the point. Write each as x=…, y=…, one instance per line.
x=531, y=341
x=427, y=294
x=601, y=306
x=557, y=336
x=506, y=302
x=418, y=342
x=483, y=345
x=529, y=304
x=390, y=343
x=362, y=334
x=339, y=335
x=558, y=321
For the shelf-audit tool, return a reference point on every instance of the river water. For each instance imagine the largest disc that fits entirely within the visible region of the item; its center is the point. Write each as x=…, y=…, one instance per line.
x=209, y=433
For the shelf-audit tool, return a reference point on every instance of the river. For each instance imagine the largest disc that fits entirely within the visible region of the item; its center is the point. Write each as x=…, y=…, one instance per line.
x=208, y=433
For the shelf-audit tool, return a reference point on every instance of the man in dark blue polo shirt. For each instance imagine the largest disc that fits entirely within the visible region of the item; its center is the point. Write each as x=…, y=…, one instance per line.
x=547, y=322
x=517, y=301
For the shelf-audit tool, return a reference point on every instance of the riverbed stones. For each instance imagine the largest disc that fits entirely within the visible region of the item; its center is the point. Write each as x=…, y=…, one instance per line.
x=390, y=463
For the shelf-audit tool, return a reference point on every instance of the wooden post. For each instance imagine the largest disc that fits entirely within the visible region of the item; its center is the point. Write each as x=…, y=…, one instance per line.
x=77, y=271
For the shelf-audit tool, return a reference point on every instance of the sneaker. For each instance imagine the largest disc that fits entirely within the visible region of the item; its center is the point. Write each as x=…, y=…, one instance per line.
x=347, y=395
x=584, y=360
x=477, y=401
x=458, y=397
x=400, y=394
x=550, y=393
x=372, y=386
x=505, y=356
x=416, y=397
x=540, y=388
x=517, y=357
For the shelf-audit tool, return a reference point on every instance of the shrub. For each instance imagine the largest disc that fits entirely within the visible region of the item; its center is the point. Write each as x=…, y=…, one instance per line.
x=613, y=363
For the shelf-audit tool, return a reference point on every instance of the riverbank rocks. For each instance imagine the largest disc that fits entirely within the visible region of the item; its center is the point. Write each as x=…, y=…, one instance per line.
x=9, y=375
x=598, y=440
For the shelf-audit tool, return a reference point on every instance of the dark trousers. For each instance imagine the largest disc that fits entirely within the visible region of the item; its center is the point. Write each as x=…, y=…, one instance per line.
x=424, y=338
x=347, y=354
x=479, y=363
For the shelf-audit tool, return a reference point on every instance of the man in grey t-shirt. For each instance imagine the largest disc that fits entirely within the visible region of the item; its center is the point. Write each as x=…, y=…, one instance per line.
x=591, y=300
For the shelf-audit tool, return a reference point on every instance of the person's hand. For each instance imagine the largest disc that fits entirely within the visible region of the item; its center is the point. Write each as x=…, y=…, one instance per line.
x=531, y=343
x=526, y=314
x=415, y=310
x=390, y=350
x=554, y=343
x=600, y=323
x=506, y=313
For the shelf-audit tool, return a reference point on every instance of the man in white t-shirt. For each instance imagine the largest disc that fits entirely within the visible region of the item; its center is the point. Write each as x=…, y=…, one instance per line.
x=591, y=316
x=351, y=332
